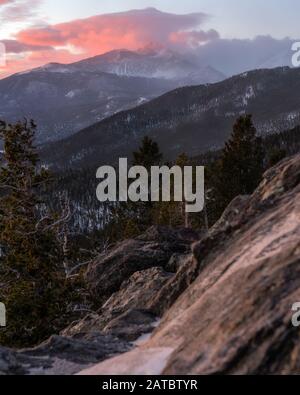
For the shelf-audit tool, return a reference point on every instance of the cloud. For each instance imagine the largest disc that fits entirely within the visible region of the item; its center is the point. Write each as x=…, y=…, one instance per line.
x=236, y=55
x=82, y=38
x=193, y=38
x=16, y=47
x=18, y=10
x=92, y=36
x=102, y=33
x=21, y=61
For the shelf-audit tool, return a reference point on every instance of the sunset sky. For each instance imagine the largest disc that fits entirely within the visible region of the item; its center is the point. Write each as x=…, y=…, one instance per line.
x=36, y=32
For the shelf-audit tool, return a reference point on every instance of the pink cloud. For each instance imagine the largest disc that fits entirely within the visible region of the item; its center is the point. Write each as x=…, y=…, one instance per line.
x=102, y=33
x=16, y=47
x=19, y=62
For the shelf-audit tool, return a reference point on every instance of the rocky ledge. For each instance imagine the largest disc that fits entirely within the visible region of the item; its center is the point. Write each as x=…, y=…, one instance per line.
x=124, y=282
x=219, y=303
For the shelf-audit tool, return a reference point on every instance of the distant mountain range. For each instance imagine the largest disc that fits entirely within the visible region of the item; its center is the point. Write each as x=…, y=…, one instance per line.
x=153, y=62
x=64, y=99
x=191, y=119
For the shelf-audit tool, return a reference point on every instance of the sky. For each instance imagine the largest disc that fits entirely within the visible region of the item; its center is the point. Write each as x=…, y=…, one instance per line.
x=35, y=32
x=232, y=18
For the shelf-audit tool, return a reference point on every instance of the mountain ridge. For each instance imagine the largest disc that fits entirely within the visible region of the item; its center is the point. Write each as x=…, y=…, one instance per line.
x=189, y=119
x=95, y=88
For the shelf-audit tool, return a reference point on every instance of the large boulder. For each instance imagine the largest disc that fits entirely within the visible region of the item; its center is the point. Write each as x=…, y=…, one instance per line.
x=129, y=278
x=153, y=249
x=125, y=314
x=229, y=310
x=138, y=291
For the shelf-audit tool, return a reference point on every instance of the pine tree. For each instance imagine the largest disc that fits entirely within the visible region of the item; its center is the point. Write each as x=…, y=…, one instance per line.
x=173, y=213
x=148, y=154
x=33, y=283
x=240, y=168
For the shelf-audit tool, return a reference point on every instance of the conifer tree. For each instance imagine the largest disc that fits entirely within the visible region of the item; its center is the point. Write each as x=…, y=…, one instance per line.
x=240, y=168
x=33, y=283
x=173, y=213
x=148, y=154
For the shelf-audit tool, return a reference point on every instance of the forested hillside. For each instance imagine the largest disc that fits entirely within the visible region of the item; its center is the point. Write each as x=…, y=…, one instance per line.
x=80, y=185
x=191, y=119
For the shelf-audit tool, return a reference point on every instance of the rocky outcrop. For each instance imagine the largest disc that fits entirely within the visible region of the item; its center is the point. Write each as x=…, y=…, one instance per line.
x=224, y=305
x=153, y=249
x=126, y=313
x=9, y=363
x=228, y=308
x=135, y=271
x=138, y=290
x=61, y=355
x=128, y=278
